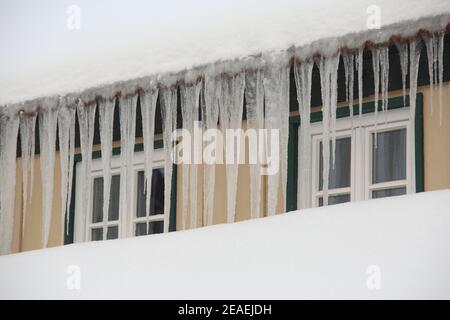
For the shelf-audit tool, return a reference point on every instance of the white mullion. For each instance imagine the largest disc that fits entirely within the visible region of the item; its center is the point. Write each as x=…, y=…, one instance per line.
x=388, y=185
x=156, y=217
x=336, y=191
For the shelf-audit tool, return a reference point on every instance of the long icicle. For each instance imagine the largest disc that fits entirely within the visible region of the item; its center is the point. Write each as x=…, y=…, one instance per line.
x=27, y=138
x=440, y=59
x=402, y=49
x=127, y=108
x=86, y=118
x=71, y=160
x=210, y=113
x=284, y=132
x=376, y=78
x=66, y=120
x=230, y=115
x=273, y=78
x=349, y=61
x=303, y=74
x=360, y=81
x=430, y=44
x=106, y=117
x=328, y=67
x=47, y=133
x=384, y=63
x=333, y=104
x=169, y=123
x=190, y=111
x=415, y=47
x=254, y=97
x=148, y=107
x=9, y=128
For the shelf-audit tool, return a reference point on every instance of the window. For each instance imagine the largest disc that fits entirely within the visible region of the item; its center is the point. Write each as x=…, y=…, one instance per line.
x=369, y=162
x=93, y=226
x=154, y=221
x=101, y=227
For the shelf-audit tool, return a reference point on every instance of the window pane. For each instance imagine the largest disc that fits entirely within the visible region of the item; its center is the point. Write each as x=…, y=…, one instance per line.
x=155, y=227
x=157, y=195
x=389, y=156
x=97, y=200
x=112, y=233
x=113, y=212
x=141, y=229
x=339, y=177
x=97, y=234
x=335, y=199
x=388, y=192
x=157, y=201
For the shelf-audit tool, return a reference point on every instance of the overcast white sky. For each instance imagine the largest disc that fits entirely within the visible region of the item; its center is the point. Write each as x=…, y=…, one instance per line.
x=123, y=39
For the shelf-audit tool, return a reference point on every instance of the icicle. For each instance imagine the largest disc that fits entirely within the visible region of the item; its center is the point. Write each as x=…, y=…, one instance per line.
x=86, y=118
x=403, y=53
x=360, y=81
x=415, y=47
x=276, y=95
x=254, y=97
x=210, y=113
x=328, y=67
x=127, y=108
x=440, y=59
x=106, y=117
x=47, y=132
x=27, y=138
x=66, y=121
x=349, y=59
x=148, y=107
x=169, y=124
x=430, y=43
x=71, y=164
x=190, y=112
x=230, y=115
x=303, y=73
x=376, y=77
x=333, y=107
x=384, y=63
x=9, y=128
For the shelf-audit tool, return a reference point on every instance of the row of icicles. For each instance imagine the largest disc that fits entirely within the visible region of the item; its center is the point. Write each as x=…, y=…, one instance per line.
x=267, y=103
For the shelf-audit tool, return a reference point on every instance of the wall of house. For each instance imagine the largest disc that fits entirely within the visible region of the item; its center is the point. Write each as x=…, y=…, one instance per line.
x=436, y=165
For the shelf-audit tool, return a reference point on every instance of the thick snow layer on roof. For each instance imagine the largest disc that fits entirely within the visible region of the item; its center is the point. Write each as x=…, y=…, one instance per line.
x=122, y=40
x=400, y=246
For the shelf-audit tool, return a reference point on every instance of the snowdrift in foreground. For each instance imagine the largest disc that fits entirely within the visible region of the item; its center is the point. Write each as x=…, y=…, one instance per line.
x=330, y=252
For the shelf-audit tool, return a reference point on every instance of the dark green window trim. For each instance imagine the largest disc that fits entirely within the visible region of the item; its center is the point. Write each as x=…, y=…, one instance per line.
x=158, y=144
x=368, y=107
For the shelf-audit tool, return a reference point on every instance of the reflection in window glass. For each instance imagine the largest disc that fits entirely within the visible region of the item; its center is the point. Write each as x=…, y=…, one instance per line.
x=157, y=194
x=339, y=176
x=155, y=227
x=97, y=200
x=388, y=192
x=97, y=234
x=141, y=229
x=342, y=198
x=389, y=156
x=112, y=233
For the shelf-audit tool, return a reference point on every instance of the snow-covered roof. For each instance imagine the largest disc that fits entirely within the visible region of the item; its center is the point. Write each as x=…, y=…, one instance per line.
x=388, y=248
x=123, y=40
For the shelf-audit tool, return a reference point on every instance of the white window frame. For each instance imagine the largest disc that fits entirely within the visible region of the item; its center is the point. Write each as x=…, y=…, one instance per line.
x=127, y=220
x=361, y=148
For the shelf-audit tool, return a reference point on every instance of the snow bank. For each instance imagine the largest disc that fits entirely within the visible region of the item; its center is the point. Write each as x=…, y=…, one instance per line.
x=44, y=54
x=316, y=253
